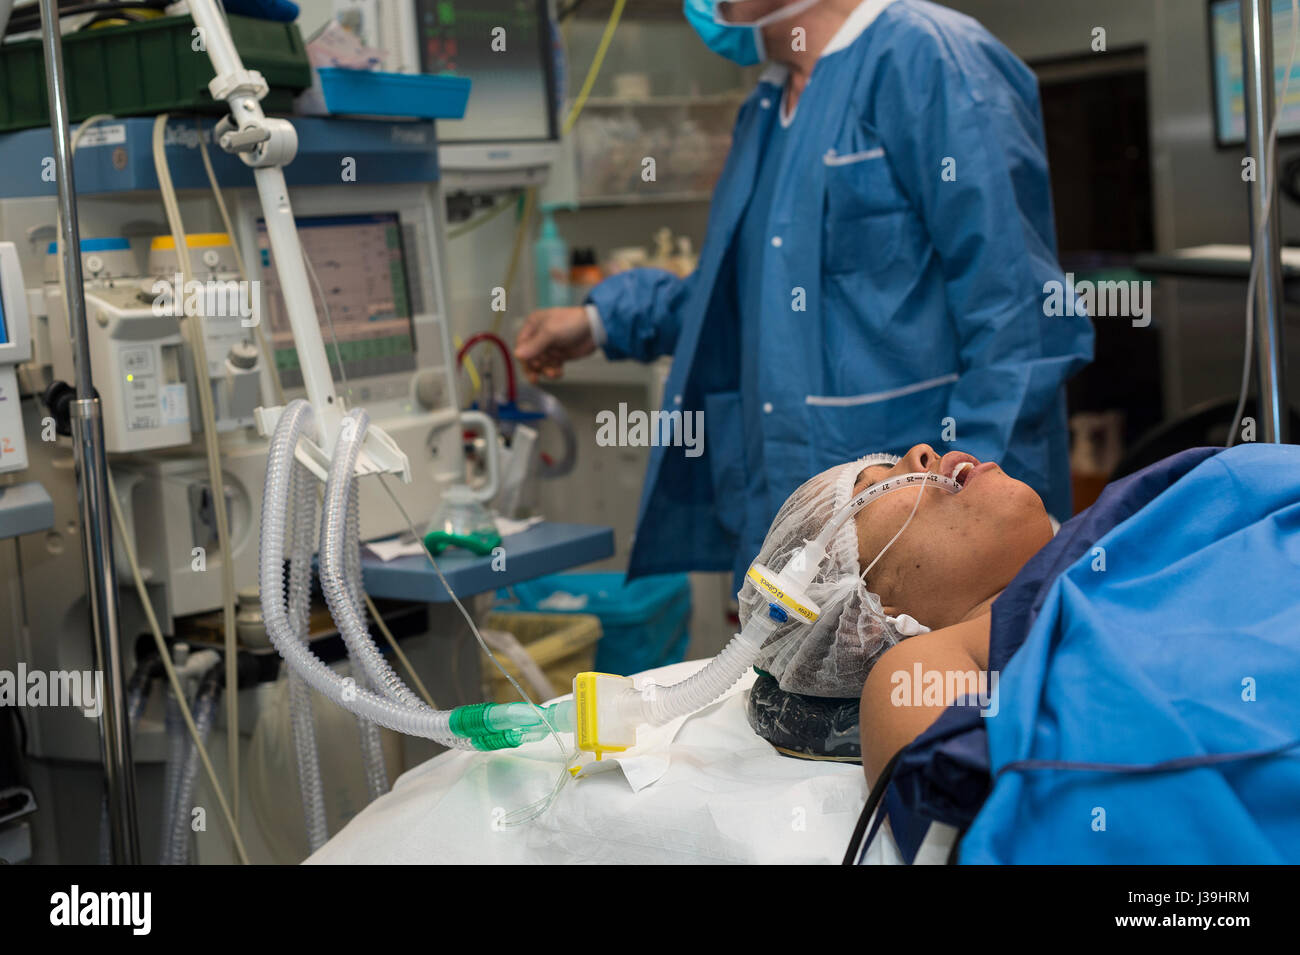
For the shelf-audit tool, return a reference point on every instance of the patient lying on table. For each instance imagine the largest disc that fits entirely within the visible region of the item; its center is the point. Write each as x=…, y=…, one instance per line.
x=910, y=582
x=889, y=600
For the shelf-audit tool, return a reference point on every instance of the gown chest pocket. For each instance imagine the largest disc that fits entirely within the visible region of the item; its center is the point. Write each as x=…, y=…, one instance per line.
x=866, y=216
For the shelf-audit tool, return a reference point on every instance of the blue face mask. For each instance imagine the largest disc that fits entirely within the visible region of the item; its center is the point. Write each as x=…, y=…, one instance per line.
x=739, y=42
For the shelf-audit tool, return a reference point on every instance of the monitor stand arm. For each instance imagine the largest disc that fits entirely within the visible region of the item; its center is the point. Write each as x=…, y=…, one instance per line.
x=267, y=145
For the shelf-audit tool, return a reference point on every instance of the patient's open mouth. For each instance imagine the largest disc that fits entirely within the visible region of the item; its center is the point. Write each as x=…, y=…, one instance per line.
x=959, y=466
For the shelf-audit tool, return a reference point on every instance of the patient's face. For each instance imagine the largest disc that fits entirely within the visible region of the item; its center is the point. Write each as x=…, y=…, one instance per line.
x=960, y=549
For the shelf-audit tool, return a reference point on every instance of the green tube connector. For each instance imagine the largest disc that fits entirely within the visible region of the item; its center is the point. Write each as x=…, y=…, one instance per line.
x=471, y=721
x=523, y=716
x=507, y=740
x=487, y=719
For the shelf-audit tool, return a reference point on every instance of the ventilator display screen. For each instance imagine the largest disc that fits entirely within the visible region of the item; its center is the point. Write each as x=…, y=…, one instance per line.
x=361, y=268
x=1228, y=71
x=505, y=48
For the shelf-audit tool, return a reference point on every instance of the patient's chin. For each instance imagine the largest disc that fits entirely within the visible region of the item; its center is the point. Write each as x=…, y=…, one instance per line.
x=1021, y=507
x=1027, y=499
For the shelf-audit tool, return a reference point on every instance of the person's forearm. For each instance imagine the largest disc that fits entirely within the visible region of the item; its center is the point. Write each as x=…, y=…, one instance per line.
x=638, y=312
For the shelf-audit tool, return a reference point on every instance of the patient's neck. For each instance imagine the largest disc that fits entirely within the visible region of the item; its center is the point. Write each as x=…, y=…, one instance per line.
x=982, y=609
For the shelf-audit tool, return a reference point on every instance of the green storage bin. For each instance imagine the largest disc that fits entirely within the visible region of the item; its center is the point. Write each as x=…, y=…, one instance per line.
x=147, y=68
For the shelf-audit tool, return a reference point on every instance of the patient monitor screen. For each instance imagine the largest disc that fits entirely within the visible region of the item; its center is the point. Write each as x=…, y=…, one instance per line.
x=511, y=97
x=1229, y=71
x=361, y=268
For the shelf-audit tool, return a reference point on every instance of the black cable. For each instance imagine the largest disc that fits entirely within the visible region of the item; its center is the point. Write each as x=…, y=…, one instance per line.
x=213, y=681
x=873, y=800
x=147, y=670
x=953, y=852
x=22, y=728
x=1289, y=181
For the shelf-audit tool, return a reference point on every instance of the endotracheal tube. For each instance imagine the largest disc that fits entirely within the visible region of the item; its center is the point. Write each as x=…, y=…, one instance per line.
x=606, y=709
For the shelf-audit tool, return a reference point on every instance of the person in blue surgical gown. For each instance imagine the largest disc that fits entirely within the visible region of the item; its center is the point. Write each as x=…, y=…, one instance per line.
x=879, y=252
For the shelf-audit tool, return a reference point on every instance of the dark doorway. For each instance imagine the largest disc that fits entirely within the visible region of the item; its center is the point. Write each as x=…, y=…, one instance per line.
x=1096, y=121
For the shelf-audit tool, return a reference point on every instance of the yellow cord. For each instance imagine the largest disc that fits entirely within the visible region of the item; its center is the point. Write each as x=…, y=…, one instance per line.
x=530, y=198
x=468, y=363
x=597, y=61
x=467, y=227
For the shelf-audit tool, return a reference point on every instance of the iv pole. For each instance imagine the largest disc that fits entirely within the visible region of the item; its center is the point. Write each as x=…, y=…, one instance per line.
x=1257, y=43
x=92, y=480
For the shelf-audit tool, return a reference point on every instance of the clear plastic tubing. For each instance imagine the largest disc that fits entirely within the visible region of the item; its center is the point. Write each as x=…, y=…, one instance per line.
x=311, y=787
x=424, y=722
x=372, y=757
x=205, y=712
x=663, y=704
x=369, y=667
x=340, y=564
x=175, y=724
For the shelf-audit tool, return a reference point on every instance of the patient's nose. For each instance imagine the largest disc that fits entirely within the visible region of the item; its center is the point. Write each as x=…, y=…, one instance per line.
x=921, y=457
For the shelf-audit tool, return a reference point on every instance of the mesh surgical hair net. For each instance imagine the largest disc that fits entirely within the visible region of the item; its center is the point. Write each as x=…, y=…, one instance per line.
x=833, y=656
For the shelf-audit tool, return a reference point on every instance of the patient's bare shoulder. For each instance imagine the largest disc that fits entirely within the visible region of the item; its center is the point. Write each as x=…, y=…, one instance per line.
x=893, y=713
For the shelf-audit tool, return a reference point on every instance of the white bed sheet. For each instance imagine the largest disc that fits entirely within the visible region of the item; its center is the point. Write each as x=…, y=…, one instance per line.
x=726, y=797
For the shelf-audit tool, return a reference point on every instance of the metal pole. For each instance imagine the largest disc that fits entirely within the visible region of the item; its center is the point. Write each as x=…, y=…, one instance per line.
x=1257, y=45
x=92, y=480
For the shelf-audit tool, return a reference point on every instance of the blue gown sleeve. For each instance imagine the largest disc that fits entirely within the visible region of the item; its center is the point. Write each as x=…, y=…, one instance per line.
x=641, y=312
x=960, y=119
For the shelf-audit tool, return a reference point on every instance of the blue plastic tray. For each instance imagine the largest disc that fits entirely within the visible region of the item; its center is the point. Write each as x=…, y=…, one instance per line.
x=369, y=93
x=645, y=623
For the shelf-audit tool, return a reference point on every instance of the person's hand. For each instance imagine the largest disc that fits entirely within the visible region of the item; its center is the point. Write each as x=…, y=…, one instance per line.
x=550, y=337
